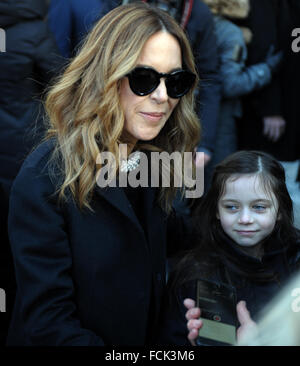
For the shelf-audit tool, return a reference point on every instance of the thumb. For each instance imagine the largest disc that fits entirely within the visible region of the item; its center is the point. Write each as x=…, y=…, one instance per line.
x=243, y=313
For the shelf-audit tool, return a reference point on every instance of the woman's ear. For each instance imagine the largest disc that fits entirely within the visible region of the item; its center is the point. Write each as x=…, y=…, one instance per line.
x=217, y=215
x=278, y=216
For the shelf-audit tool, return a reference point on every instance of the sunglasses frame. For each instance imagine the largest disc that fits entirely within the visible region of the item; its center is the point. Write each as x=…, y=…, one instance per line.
x=158, y=76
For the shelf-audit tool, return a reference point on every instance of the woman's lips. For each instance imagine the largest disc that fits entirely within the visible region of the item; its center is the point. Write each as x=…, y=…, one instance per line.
x=152, y=116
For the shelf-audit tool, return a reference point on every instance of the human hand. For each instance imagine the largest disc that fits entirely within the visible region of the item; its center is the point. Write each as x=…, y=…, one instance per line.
x=247, y=324
x=194, y=323
x=273, y=60
x=274, y=127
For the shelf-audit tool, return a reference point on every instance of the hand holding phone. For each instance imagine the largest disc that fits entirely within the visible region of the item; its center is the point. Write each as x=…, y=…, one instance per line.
x=218, y=313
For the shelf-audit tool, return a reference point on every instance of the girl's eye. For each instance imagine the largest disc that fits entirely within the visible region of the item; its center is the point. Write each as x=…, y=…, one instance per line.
x=259, y=207
x=231, y=207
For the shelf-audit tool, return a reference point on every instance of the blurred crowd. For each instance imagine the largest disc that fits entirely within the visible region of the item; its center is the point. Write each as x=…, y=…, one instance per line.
x=247, y=96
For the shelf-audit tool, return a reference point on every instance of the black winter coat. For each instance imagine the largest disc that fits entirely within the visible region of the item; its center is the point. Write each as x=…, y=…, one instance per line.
x=27, y=65
x=284, y=262
x=85, y=278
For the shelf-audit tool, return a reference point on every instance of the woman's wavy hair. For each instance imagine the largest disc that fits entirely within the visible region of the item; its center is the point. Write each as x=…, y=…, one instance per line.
x=83, y=106
x=211, y=243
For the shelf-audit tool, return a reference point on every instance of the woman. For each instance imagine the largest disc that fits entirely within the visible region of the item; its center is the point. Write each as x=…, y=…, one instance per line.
x=90, y=261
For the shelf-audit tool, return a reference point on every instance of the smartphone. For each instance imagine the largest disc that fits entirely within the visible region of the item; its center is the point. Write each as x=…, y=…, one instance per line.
x=218, y=313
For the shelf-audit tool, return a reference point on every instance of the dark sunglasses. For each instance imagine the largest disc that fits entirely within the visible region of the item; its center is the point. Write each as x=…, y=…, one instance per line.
x=144, y=80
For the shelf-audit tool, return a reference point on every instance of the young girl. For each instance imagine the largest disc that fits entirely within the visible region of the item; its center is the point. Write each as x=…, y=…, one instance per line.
x=246, y=239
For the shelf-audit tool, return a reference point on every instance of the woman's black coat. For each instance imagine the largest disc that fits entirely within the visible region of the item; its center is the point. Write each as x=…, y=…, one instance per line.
x=84, y=278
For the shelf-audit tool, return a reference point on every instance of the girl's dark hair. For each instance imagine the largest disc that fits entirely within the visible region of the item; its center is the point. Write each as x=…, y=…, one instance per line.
x=211, y=249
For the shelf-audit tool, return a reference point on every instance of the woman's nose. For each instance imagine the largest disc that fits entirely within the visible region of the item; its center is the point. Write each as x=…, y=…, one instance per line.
x=160, y=94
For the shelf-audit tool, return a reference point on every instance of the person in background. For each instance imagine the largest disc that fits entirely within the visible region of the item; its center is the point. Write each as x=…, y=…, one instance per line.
x=30, y=60
x=70, y=21
x=263, y=123
x=237, y=78
x=90, y=258
x=246, y=240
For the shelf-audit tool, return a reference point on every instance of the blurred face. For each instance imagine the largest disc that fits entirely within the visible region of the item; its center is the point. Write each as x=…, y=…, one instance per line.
x=146, y=115
x=247, y=213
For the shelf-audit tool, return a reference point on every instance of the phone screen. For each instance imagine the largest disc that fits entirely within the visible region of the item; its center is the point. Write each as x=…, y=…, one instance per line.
x=218, y=313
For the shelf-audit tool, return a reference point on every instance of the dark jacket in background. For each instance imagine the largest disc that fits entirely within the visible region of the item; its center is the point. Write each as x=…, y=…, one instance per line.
x=27, y=65
x=284, y=262
x=77, y=17
x=268, y=21
x=70, y=20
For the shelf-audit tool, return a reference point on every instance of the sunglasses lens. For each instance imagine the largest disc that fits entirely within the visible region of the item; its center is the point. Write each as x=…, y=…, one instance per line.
x=143, y=81
x=179, y=83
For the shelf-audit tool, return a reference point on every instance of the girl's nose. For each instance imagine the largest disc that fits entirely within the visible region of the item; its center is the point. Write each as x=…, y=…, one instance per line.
x=245, y=217
x=160, y=94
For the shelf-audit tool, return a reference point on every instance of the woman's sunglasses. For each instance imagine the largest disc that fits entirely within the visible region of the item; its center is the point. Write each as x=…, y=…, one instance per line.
x=144, y=80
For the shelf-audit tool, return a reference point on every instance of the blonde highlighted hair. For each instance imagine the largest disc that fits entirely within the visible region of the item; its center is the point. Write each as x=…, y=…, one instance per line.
x=83, y=106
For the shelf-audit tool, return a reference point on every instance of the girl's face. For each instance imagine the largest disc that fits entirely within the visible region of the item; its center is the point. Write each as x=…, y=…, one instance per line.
x=247, y=213
x=145, y=116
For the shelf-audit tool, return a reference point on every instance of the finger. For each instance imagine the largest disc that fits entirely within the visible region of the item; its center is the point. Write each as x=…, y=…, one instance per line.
x=243, y=313
x=274, y=133
x=194, y=331
x=189, y=303
x=193, y=313
x=193, y=334
x=194, y=324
